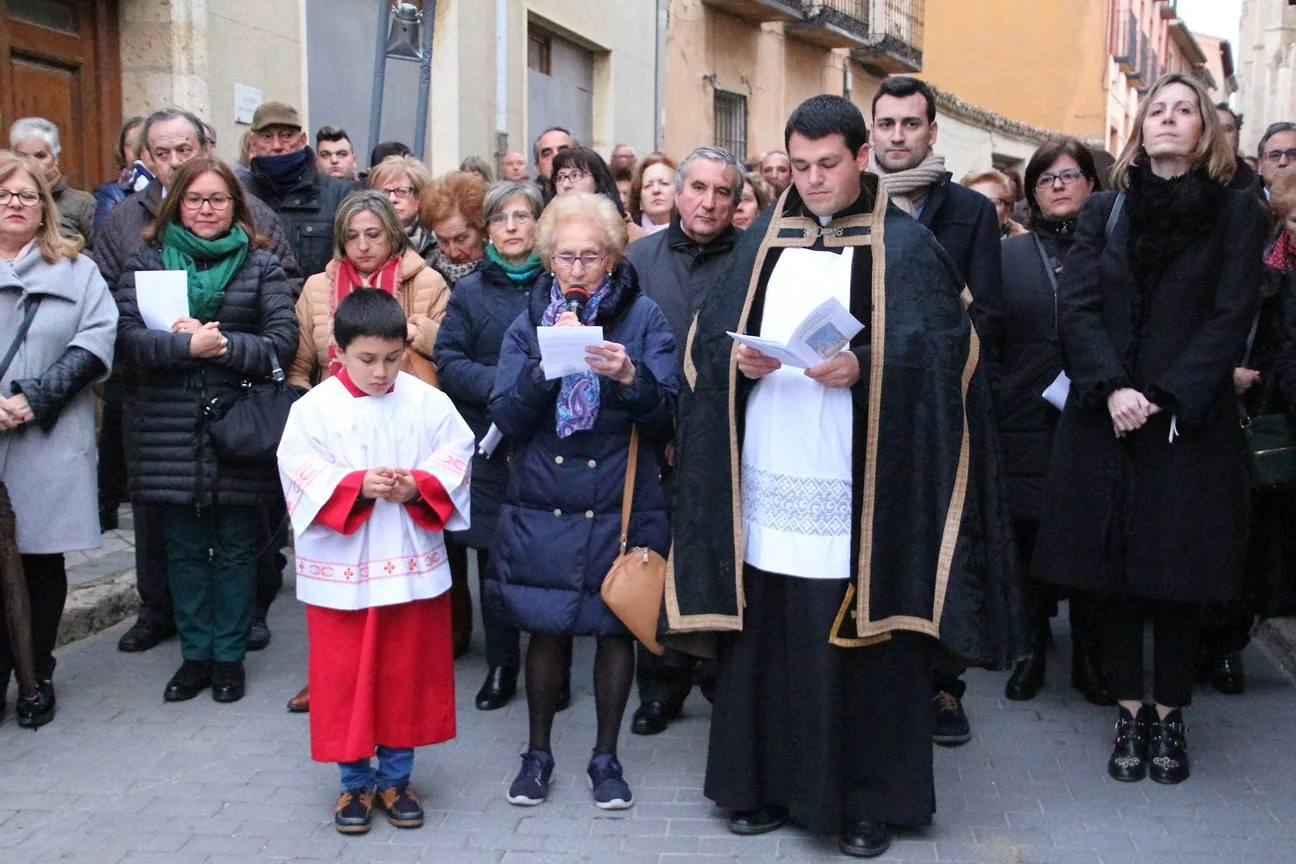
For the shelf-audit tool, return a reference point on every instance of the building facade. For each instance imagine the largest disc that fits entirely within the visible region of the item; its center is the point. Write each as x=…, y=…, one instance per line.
x=1266, y=67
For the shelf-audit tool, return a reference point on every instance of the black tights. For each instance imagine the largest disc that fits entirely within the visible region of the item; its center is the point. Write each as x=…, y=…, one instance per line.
x=46, y=594
x=546, y=663
x=1176, y=641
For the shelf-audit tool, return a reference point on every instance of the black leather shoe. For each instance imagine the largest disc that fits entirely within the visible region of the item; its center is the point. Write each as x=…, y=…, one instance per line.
x=1027, y=678
x=499, y=687
x=762, y=820
x=258, y=635
x=1129, y=758
x=39, y=710
x=144, y=635
x=652, y=718
x=228, y=681
x=865, y=839
x=190, y=679
x=1227, y=675
x=1168, y=749
x=952, y=727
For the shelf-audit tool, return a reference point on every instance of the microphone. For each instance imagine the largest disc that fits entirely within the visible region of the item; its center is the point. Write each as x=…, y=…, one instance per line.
x=575, y=300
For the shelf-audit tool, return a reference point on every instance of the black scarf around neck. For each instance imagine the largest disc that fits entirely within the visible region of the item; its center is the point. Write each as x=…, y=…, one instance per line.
x=1168, y=216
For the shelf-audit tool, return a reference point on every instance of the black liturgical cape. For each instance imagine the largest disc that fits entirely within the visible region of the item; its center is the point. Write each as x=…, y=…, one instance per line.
x=932, y=537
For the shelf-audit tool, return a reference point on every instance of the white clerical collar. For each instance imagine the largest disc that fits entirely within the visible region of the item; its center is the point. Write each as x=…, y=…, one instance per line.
x=824, y=221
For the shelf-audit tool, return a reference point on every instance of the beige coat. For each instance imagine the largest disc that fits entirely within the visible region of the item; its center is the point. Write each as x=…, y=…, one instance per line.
x=422, y=292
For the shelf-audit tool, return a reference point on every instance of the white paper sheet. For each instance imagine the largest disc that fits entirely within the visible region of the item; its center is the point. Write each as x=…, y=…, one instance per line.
x=1056, y=393
x=562, y=349
x=820, y=337
x=163, y=297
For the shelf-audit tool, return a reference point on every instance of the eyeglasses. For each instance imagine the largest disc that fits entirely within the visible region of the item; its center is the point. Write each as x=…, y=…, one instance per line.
x=1067, y=177
x=26, y=197
x=399, y=192
x=574, y=176
x=194, y=201
x=521, y=217
x=590, y=260
x=1277, y=155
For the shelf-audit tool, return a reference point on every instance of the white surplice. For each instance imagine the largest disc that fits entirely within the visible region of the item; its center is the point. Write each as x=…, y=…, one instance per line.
x=332, y=433
x=796, y=459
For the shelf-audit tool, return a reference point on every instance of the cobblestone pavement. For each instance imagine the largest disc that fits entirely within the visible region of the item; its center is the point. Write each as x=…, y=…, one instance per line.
x=121, y=776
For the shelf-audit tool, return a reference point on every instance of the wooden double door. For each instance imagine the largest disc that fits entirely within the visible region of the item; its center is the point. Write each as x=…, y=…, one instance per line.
x=60, y=59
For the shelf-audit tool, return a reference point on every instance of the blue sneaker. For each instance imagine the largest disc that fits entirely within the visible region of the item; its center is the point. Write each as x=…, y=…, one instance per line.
x=531, y=785
x=611, y=792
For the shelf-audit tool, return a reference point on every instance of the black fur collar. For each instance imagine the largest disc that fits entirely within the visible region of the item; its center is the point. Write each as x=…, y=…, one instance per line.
x=1168, y=216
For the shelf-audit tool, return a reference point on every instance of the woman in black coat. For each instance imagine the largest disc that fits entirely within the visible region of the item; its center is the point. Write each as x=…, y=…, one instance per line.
x=240, y=312
x=483, y=305
x=1147, y=491
x=561, y=519
x=1060, y=177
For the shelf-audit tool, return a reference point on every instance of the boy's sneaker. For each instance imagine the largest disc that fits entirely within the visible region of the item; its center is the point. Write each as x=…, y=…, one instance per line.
x=353, y=811
x=402, y=805
x=611, y=792
x=531, y=785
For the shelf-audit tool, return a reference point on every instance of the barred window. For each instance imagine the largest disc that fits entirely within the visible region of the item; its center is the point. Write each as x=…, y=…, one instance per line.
x=731, y=122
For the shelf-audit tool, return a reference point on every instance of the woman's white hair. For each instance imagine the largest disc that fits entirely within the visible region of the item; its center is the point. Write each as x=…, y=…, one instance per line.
x=596, y=209
x=35, y=127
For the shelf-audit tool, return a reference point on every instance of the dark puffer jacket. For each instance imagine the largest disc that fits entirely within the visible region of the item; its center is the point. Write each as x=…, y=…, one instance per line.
x=170, y=458
x=306, y=211
x=559, y=525
x=482, y=307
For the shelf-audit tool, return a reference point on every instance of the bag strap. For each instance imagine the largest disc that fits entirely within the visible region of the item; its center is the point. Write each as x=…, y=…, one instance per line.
x=33, y=303
x=276, y=370
x=1115, y=214
x=627, y=497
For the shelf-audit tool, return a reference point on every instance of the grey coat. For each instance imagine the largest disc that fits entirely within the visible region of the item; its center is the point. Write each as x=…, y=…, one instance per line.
x=50, y=464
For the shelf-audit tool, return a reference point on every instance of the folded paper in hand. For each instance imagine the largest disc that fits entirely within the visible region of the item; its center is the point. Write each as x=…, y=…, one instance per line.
x=1056, y=393
x=562, y=349
x=162, y=297
x=823, y=335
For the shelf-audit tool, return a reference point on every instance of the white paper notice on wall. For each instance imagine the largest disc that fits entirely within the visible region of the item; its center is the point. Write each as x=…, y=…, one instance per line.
x=246, y=100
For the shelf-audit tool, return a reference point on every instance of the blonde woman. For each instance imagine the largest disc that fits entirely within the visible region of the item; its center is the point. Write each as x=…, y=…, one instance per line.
x=1147, y=489
x=402, y=179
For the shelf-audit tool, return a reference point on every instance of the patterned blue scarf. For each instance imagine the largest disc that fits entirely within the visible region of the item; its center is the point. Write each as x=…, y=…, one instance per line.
x=578, y=398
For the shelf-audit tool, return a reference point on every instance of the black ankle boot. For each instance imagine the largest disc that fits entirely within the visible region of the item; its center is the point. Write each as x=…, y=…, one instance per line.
x=1027, y=678
x=500, y=686
x=37, y=711
x=1168, y=749
x=1129, y=758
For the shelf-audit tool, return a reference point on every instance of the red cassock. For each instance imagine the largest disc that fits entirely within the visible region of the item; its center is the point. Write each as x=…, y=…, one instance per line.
x=382, y=675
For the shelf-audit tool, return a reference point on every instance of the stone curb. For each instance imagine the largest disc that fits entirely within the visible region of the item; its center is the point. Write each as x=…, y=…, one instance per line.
x=98, y=605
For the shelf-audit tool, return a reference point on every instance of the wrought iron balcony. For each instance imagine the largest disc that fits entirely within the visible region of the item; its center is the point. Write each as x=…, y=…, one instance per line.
x=895, y=37
x=1140, y=75
x=1169, y=9
x=833, y=23
x=761, y=11
x=1125, y=44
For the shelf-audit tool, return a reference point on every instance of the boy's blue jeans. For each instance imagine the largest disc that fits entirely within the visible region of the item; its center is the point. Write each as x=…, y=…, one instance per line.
x=394, y=767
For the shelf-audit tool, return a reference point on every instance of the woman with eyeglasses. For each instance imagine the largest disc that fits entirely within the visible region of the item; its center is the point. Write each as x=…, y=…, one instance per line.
x=240, y=319
x=47, y=414
x=580, y=169
x=652, y=195
x=1147, y=490
x=569, y=437
x=402, y=179
x=1060, y=177
x=482, y=307
x=996, y=186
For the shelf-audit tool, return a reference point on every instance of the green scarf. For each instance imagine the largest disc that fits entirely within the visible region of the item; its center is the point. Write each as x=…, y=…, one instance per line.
x=181, y=250
x=518, y=273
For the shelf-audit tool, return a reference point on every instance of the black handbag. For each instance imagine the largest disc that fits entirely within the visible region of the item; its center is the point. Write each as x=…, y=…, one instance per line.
x=247, y=427
x=1270, y=440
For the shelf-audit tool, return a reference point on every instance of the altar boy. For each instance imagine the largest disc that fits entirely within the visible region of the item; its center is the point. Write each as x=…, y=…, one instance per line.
x=374, y=465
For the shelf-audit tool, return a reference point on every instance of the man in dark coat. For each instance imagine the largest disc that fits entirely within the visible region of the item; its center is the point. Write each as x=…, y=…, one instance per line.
x=871, y=481
x=677, y=268
x=1244, y=177
x=285, y=176
x=170, y=138
x=967, y=227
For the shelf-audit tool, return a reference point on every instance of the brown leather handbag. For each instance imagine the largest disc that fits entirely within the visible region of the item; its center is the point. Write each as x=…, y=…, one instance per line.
x=634, y=585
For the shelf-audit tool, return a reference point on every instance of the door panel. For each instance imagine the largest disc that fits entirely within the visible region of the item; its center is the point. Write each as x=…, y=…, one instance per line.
x=47, y=90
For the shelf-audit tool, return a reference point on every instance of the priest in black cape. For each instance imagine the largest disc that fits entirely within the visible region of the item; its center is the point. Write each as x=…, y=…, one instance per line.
x=832, y=524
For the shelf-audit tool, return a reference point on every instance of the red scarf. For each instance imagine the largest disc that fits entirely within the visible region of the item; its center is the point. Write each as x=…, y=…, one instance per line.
x=1282, y=256
x=346, y=280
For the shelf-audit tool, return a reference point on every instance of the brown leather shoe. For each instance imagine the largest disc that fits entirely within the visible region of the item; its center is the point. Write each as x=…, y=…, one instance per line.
x=402, y=805
x=300, y=703
x=353, y=811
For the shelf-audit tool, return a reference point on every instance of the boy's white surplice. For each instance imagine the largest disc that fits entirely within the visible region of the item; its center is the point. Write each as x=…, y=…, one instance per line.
x=332, y=433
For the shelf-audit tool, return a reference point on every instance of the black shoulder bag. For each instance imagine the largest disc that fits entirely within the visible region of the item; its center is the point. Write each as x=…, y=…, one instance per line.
x=1270, y=438
x=248, y=426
